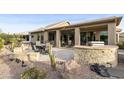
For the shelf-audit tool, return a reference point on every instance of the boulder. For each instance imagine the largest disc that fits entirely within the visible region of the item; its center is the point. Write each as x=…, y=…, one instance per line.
x=70, y=69
x=71, y=65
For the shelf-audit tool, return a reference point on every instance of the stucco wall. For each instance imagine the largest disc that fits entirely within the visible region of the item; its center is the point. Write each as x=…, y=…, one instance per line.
x=34, y=39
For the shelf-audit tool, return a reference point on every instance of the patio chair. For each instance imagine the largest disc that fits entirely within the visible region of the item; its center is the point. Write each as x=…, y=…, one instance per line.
x=34, y=47
x=38, y=43
x=46, y=48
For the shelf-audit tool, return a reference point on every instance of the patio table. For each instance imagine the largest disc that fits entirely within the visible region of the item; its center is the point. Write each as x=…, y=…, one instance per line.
x=41, y=47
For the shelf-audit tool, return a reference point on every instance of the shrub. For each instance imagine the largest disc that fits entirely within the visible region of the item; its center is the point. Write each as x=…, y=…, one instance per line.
x=33, y=73
x=1, y=43
x=11, y=38
x=13, y=43
x=121, y=45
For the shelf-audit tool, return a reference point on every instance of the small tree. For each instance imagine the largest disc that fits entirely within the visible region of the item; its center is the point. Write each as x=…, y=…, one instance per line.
x=121, y=45
x=13, y=43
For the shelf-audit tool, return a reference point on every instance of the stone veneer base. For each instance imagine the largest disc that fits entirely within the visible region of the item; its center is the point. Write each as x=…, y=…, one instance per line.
x=96, y=54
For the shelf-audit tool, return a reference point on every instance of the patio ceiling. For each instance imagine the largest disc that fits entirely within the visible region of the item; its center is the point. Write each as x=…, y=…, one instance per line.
x=94, y=28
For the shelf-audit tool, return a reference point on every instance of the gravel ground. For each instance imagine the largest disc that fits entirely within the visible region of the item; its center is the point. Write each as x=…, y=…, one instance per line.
x=12, y=70
x=9, y=69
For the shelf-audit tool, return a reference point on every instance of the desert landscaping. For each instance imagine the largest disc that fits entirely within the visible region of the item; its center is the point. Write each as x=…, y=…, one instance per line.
x=66, y=67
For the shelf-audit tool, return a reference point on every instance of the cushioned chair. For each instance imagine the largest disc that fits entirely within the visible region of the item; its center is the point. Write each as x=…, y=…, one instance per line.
x=38, y=43
x=34, y=47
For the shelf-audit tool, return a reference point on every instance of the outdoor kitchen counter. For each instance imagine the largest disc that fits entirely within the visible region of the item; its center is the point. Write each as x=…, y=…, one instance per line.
x=96, y=54
x=98, y=47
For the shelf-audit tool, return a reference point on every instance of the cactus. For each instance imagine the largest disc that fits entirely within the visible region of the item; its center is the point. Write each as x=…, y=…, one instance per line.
x=53, y=62
x=52, y=58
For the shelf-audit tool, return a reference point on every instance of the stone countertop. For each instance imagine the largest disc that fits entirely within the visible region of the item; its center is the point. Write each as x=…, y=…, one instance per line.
x=97, y=47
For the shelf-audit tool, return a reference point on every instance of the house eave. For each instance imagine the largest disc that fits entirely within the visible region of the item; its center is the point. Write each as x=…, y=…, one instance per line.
x=114, y=19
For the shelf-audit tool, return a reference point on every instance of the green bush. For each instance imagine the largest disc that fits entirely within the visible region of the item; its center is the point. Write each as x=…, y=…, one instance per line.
x=33, y=73
x=1, y=43
x=121, y=45
x=14, y=43
x=9, y=38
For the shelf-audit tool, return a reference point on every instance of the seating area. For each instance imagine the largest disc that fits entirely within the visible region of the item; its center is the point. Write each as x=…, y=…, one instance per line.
x=37, y=47
x=39, y=52
x=29, y=51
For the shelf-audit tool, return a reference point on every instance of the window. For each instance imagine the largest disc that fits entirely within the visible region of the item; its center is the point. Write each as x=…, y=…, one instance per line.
x=32, y=36
x=38, y=37
x=42, y=38
x=104, y=36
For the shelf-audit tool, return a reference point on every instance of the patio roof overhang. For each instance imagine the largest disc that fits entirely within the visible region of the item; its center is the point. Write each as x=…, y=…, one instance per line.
x=99, y=24
x=95, y=23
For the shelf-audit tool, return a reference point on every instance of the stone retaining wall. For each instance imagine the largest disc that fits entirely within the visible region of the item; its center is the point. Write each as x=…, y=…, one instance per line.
x=96, y=54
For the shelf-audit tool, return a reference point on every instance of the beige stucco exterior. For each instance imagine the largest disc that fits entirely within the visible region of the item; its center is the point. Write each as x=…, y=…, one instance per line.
x=77, y=36
x=34, y=38
x=58, y=35
x=45, y=36
x=111, y=33
x=97, y=35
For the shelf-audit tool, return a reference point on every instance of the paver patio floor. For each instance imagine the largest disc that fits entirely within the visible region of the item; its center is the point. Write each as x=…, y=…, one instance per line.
x=62, y=54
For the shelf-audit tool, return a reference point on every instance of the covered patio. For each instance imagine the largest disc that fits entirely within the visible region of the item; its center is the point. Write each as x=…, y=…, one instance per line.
x=103, y=29
x=97, y=30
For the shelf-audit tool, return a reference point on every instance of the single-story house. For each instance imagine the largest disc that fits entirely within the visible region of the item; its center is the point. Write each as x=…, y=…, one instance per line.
x=64, y=33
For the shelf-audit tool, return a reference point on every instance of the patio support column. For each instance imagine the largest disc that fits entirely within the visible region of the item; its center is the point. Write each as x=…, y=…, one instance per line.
x=30, y=37
x=45, y=36
x=58, y=36
x=77, y=36
x=97, y=36
x=117, y=37
x=111, y=34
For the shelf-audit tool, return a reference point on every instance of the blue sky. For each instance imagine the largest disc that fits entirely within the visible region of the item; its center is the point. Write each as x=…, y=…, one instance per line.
x=27, y=22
